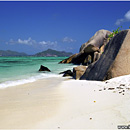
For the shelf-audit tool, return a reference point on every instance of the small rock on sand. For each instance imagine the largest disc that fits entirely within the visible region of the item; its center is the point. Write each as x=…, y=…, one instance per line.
x=122, y=84
x=111, y=88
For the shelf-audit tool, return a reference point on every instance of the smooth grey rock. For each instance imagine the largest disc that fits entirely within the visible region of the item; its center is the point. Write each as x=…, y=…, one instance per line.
x=121, y=65
x=95, y=44
x=97, y=40
x=98, y=70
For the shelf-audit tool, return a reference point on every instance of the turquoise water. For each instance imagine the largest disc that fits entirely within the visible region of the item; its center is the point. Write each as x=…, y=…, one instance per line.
x=20, y=70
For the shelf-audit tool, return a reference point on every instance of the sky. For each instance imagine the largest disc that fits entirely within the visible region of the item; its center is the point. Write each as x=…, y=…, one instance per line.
x=35, y=26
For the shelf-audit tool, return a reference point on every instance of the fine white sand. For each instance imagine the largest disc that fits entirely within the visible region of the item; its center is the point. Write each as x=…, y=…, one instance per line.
x=25, y=105
x=69, y=104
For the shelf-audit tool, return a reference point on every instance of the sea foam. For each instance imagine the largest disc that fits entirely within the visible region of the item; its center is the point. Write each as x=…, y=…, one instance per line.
x=27, y=80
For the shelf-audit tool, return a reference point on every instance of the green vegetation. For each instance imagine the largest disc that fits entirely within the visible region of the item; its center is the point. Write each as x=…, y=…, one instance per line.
x=114, y=32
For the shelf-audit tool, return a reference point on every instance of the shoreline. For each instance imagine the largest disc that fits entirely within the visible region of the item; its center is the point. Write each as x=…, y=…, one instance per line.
x=62, y=103
x=24, y=105
x=31, y=79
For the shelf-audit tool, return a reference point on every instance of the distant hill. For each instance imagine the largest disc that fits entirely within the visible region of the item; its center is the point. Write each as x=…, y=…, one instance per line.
x=46, y=53
x=11, y=53
x=55, y=53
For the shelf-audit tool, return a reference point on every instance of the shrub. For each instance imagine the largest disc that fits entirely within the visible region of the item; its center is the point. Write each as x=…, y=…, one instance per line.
x=114, y=33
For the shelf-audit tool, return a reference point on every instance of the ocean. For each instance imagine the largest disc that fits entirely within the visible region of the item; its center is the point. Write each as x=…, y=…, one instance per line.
x=20, y=70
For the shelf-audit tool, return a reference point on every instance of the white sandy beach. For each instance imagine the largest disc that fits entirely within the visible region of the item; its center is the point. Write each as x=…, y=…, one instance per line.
x=68, y=104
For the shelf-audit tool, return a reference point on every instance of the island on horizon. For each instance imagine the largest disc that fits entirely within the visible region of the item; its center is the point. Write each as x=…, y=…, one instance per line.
x=46, y=53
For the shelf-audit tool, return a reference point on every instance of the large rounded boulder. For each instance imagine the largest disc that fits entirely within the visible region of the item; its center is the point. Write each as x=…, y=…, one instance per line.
x=121, y=64
x=94, y=44
x=96, y=41
x=114, y=61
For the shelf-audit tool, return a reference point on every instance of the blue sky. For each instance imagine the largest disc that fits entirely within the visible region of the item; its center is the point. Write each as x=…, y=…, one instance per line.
x=32, y=27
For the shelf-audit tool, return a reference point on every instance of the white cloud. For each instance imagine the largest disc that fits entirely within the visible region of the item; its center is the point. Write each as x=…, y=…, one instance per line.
x=43, y=43
x=67, y=39
x=127, y=15
x=125, y=19
x=29, y=41
x=119, y=21
x=32, y=42
x=48, y=43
